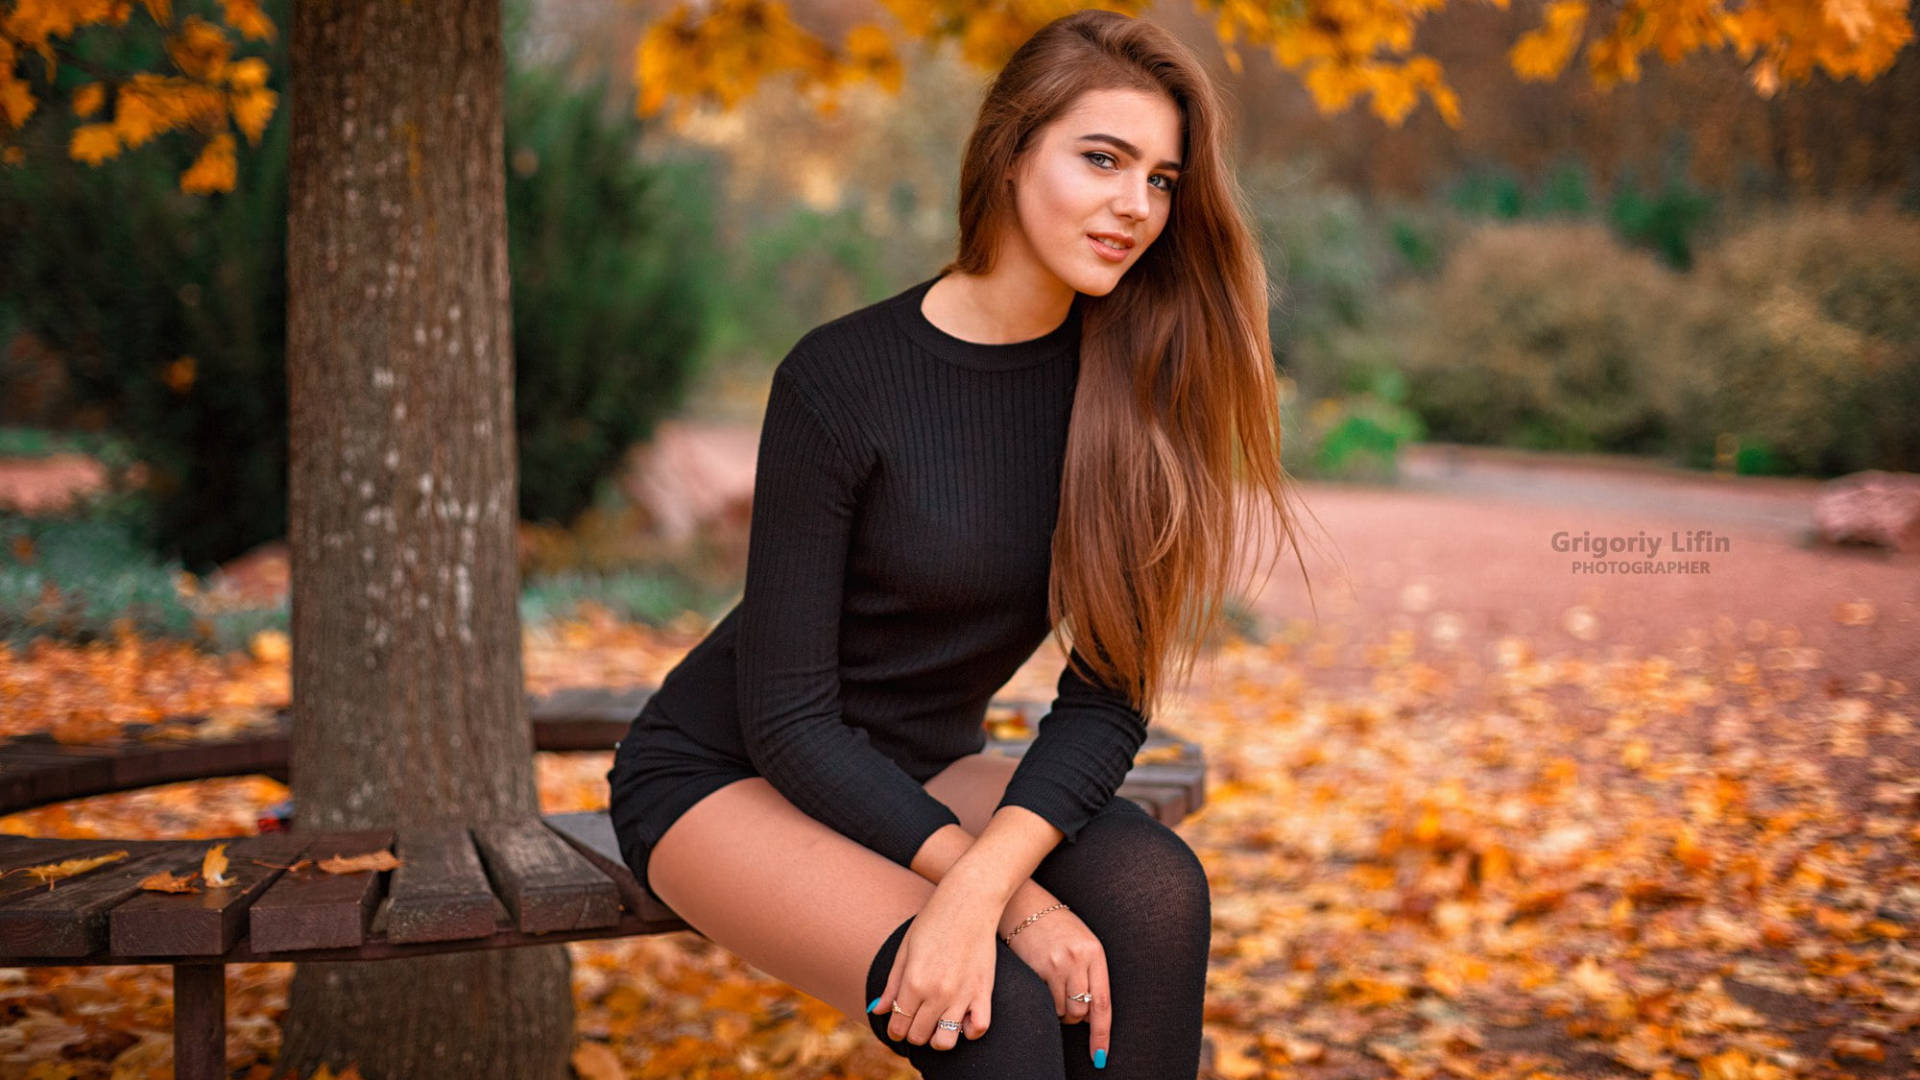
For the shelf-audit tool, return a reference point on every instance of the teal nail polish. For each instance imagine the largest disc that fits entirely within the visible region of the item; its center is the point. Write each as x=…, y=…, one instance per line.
x=1100, y=1058
x=872, y=1005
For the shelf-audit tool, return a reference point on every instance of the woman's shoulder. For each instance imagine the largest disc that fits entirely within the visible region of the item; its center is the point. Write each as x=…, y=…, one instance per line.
x=847, y=340
x=837, y=360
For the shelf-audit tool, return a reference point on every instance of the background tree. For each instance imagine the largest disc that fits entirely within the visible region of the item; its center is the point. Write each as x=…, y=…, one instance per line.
x=408, y=700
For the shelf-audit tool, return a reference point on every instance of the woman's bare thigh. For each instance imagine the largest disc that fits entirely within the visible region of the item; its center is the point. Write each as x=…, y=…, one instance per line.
x=792, y=896
x=972, y=786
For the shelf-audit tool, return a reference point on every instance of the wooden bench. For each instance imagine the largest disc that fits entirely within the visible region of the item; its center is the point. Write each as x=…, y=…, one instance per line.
x=463, y=886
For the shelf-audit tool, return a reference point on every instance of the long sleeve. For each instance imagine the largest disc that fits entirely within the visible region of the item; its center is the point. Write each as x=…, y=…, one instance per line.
x=1084, y=749
x=805, y=496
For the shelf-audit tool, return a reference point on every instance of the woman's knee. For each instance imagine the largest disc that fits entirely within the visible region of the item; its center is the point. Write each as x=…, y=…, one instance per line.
x=1143, y=871
x=1023, y=1031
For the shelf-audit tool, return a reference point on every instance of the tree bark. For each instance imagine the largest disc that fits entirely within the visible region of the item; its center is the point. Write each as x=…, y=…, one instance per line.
x=408, y=703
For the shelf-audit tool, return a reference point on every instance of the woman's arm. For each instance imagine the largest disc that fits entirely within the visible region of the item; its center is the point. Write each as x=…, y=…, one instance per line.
x=1084, y=750
x=943, y=850
x=805, y=494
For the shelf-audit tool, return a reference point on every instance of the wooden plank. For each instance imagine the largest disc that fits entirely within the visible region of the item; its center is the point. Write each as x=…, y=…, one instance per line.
x=208, y=922
x=591, y=834
x=70, y=919
x=578, y=733
x=309, y=908
x=45, y=771
x=1169, y=804
x=168, y=763
x=22, y=851
x=544, y=883
x=440, y=892
x=620, y=704
x=1190, y=777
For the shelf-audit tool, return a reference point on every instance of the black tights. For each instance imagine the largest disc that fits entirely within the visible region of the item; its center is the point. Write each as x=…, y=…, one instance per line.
x=1142, y=891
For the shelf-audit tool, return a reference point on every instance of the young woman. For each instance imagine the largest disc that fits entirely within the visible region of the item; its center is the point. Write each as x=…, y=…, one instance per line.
x=1054, y=428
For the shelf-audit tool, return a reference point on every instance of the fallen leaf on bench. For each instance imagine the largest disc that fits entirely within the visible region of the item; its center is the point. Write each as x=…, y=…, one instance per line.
x=214, y=867
x=51, y=872
x=165, y=881
x=353, y=864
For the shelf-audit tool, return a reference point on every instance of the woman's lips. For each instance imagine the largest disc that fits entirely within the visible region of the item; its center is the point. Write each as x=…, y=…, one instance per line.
x=1101, y=249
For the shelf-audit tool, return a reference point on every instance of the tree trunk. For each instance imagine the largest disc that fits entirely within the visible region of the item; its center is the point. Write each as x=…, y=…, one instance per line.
x=407, y=696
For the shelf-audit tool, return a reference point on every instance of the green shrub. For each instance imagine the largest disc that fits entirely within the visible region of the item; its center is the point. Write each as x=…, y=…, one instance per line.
x=608, y=292
x=1330, y=258
x=1534, y=336
x=73, y=577
x=1355, y=438
x=1800, y=347
x=1667, y=221
x=652, y=596
x=121, y=274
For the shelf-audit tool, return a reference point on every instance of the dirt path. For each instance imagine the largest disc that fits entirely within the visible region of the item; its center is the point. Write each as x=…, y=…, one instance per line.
x=1462, y=556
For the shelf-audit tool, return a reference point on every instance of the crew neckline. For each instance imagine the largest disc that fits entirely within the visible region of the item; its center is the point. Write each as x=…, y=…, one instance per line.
x=983, y=357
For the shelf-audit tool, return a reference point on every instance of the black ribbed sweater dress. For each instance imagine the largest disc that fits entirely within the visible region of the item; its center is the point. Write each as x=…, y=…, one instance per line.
x=906, y=492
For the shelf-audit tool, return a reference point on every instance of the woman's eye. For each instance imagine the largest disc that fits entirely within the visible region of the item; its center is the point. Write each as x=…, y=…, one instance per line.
x=1092, y=154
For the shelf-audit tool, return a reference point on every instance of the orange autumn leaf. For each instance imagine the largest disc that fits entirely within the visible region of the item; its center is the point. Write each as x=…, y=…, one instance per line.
x=353, y=864
x=52, y=872
x=213, y=867
x=167, y=881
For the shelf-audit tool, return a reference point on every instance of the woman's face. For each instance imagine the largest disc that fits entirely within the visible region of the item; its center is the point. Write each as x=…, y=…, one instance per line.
x=1106, y=167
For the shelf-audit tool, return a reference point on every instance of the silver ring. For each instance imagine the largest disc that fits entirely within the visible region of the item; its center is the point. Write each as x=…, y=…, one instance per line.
x=1088, y=998
x=949, y=1025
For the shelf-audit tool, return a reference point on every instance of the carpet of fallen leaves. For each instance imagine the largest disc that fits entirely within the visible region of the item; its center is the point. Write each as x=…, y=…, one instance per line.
x=1483, y=864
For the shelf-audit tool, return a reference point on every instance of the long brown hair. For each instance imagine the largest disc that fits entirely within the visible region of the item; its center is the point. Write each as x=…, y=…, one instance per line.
x=1177, y=406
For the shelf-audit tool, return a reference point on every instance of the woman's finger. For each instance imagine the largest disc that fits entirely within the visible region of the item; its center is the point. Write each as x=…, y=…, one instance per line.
x=944, y=1039
x=1078, y=982
x=1101, y=1016
x=925, y=1020
x=979, y=1016
x=885, y=1002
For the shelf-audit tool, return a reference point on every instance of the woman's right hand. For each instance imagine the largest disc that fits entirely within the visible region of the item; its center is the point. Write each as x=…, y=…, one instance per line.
x=943, y=970
x=1071, y=959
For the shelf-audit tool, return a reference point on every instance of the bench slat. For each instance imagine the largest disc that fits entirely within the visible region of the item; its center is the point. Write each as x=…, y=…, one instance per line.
x=591, y=834
x=1162, y=801
x=209, y=922
x=545, y=883
x=20, y=851
x=309, y=908
x=36, y=772
x=70, y=919
x=440, y=892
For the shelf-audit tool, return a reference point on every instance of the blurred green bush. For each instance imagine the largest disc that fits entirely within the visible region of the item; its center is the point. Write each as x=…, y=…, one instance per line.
x=1799, y=347
x=122, y=276
x=1536, y=335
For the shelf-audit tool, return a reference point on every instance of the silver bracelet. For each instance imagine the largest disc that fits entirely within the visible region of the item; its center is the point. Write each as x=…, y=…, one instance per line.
x=1008, y=938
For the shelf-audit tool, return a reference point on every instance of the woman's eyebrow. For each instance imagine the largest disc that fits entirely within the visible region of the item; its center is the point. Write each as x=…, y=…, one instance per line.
x=1132, y=150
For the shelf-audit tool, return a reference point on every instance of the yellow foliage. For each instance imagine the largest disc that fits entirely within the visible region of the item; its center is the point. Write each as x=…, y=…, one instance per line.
x=720, y=52
x=94, y=143
x=211, y=93
x=213, y=170
x=1342, y=49
x=246, y=17
x=88, y=99
x=1541, y=54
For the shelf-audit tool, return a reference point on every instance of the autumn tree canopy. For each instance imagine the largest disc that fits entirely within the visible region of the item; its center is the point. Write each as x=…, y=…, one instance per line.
x=721, y=52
